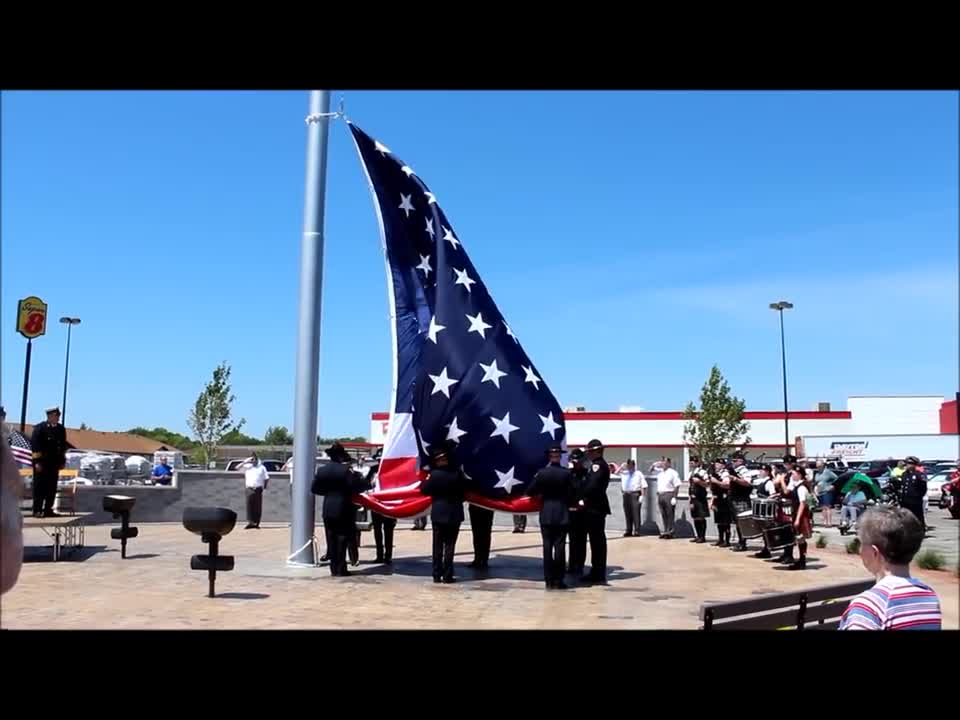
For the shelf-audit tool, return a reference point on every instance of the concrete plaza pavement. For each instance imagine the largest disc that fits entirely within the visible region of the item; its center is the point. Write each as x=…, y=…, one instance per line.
x=654, y=584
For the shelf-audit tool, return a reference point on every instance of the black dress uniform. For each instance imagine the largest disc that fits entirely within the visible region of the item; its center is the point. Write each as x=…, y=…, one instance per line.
x=913, y=488
x=739, y=498
x=49, y=443
x=383, y=528
x=578, y=523
x=555, y=485
x=338, y=484
x=481, y=528
x=596, y=508
x=446, y=485
x=721, y=508
x=699, y=502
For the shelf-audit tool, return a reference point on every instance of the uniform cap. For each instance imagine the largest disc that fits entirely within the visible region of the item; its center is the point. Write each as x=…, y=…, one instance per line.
x=738, y=455
x=912, y=460
x=789, y=459
x=52, y=409
x=576, y=454
x=594, y=445
x=337, y=452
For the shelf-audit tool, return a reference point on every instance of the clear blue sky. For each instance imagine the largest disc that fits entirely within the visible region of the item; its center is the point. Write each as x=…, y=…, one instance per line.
x=631, y=239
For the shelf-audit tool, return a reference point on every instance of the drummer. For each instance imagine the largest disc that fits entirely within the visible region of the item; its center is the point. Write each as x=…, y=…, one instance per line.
x=740, y=489
x=765, y=487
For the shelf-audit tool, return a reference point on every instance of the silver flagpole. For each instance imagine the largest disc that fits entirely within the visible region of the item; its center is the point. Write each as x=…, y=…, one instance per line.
x=308, y=333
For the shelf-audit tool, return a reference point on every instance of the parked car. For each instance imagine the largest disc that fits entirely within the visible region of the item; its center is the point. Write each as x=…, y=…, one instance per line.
x=935, y=485
x=950, y=495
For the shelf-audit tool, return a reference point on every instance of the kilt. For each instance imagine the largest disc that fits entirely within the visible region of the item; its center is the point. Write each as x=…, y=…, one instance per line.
x=805, y=528
x=699, y=509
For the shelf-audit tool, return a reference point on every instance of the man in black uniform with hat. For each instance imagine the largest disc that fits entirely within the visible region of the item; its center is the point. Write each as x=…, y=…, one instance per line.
x=49, y=443
x=555, y=485
x=596, y=508
x=446, y=485
x=481, y=528
x=383, y=526
x=913, y=488
x=338, y=483
x=578, y=523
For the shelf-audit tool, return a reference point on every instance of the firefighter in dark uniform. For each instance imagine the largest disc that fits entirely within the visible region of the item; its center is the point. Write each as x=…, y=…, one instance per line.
x=596, y=507
x=519, y=523
x=554, y=484
x=578, y=523
x=338, y=483
x=49, y=443
x=383, y=526
x=699, y=500
x=912, y=489
x=446, y=484
x=481, y=528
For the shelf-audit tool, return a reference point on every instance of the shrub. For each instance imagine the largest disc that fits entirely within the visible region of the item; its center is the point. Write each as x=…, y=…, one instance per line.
x=853, y=547
x=821, y=540
x=930, y=559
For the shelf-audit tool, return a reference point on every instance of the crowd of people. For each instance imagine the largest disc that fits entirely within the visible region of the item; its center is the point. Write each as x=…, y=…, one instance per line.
x=575, y=505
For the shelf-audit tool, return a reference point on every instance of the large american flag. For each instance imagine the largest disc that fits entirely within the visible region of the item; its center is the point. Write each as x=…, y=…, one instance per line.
x=20, y=447
x=460, y=372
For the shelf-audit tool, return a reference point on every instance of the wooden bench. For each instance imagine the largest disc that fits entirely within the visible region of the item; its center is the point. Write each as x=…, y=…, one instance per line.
x=817, y=608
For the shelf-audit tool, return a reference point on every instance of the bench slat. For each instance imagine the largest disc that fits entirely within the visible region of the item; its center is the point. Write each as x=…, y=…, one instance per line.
x=776, y=601
x=787, y=618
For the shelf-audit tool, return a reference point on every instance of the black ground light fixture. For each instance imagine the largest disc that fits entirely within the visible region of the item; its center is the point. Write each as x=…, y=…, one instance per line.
x=211, y=524
x=120, y=506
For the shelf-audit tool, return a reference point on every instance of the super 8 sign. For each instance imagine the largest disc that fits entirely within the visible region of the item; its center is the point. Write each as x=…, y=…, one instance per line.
x=31, y=317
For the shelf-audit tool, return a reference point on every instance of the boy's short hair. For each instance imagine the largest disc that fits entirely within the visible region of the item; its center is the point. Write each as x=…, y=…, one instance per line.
x=895, y=531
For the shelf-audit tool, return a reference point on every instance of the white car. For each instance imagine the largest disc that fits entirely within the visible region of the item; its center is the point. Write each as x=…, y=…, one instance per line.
x=934, y=483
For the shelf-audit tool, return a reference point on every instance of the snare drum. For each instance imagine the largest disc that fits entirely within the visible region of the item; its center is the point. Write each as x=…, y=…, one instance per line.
x=779, y=537
x=749, y=526
x=764, y=508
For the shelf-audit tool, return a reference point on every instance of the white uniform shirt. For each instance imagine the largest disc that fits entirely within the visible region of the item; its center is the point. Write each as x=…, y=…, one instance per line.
x=667, y=480
x=255, y=476
x=632, y=481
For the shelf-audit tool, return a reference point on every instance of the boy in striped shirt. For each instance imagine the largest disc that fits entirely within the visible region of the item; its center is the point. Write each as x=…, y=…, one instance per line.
x=889, y=538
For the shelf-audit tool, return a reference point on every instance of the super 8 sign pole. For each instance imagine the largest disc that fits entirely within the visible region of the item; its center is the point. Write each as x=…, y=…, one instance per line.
x=31, y=323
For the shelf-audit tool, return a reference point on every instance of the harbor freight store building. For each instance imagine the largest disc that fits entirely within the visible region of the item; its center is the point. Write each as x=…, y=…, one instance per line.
x=648, y=436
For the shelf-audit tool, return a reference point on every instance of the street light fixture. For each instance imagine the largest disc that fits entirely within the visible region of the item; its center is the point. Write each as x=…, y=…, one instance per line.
x=69, y=322
x=780, y=307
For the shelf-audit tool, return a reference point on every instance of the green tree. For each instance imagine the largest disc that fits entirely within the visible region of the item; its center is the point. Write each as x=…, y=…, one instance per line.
x=235, y=437
x=212, y=415
x=718, y=424
x=167, y=437
x=83, y=426
x=278, y=436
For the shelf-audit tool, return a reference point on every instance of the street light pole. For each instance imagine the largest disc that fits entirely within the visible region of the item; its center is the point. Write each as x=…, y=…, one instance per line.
x=780, y=307
x=69, y=322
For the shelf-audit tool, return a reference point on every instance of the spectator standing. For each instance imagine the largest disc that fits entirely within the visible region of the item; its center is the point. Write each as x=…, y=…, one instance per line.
x=162, y=473
x=255, y=479
x=668, y=483
x=825, y=480
x=631, y=486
